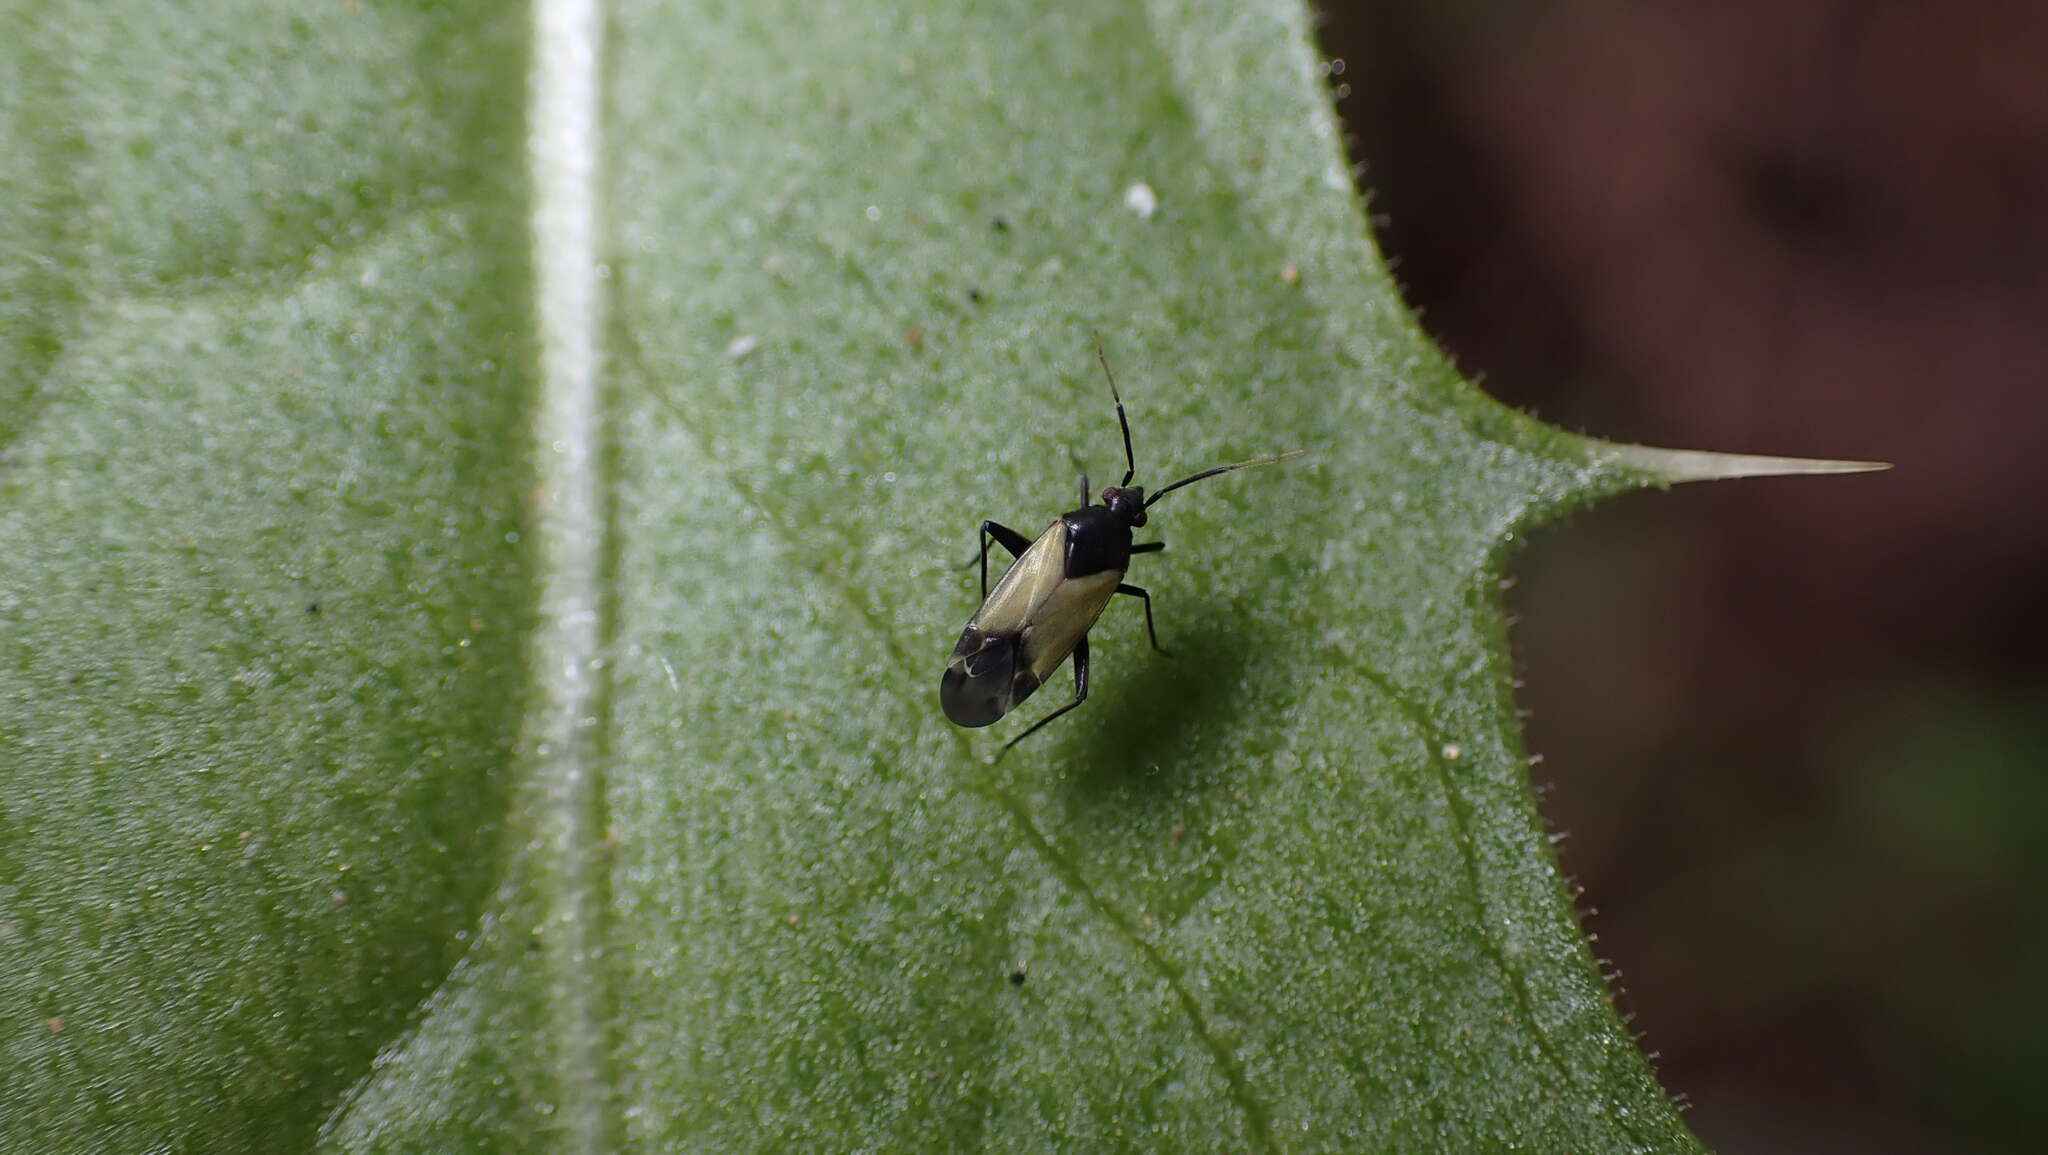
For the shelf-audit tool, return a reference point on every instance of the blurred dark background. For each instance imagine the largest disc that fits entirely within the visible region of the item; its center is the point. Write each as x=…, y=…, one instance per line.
x=1796, y=730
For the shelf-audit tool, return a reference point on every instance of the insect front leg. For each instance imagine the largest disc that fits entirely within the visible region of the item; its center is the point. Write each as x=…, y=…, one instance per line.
x=1080, y=696
x=1139, y=593
x=1013, y=541
x=1083, y=471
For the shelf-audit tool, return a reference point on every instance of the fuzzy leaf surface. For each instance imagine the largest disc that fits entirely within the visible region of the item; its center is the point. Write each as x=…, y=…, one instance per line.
x=281, y=864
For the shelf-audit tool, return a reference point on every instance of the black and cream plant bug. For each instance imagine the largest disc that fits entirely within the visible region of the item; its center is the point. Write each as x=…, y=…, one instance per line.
x=1042, y=609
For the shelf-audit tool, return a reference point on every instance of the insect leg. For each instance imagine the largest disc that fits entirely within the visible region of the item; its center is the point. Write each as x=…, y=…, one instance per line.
x=1013, y=541
x=1080, y=696
x=1148, y=547
x=1137, y=592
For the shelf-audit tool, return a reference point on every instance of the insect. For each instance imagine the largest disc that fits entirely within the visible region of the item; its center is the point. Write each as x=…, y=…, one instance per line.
x=1044, y=606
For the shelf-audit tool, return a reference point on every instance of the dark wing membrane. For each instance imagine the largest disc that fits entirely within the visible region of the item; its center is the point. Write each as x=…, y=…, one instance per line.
x=983, y=680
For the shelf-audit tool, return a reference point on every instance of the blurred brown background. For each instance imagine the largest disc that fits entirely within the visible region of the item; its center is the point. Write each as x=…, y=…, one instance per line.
x=1797, y=730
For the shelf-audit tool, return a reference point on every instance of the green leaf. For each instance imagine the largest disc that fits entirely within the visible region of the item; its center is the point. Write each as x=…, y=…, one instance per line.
x=481, y=505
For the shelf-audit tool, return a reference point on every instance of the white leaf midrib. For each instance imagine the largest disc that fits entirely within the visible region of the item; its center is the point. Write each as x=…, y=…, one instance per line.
x=568, y=520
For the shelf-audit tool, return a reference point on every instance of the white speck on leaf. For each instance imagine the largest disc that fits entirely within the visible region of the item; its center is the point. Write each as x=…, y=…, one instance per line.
x=1140, y=199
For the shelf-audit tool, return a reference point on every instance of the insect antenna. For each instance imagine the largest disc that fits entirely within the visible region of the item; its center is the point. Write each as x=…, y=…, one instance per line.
x=1150, y=501
x=1130, y=461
